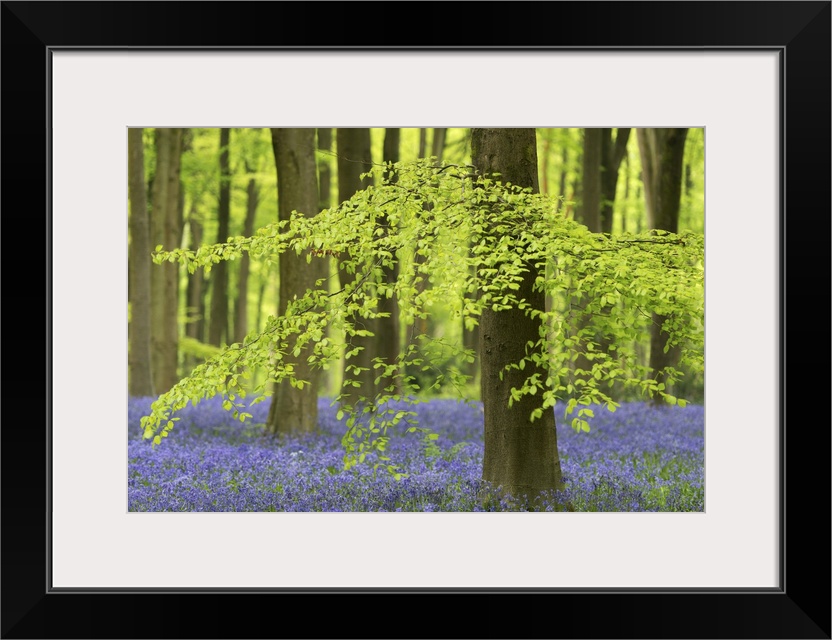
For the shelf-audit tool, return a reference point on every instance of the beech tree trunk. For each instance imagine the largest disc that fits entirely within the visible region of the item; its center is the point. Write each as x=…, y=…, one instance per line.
x=355, y=158
x=590, y=210
x=329, y=378
x=521, y=456
x=218, y=320
x=662, y=154
x=612, y=153
x=324, y=170
x=426, y=326
x=295, y=410
x=387, y=329
x=141, y=378
x=195, y=291
x=164, y=278
x=437, y=147
x=241, y=306
x=601, y=160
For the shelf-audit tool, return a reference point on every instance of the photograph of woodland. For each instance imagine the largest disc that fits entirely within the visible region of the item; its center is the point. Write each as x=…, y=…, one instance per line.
x=416, y=319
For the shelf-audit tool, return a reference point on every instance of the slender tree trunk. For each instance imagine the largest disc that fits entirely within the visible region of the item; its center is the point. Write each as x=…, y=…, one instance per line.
x=590, y=215
x=627, y=178
x=355, y=158
x=195, y=291
x=423, y=142
x=438, y=143
x=662, y=159
x=164, y=286
x=295, y=410
x=141, y=379
x=544, y=161
x=218, y=320
x=241, y=308
x=324, y=170
x=591, y=181
x=602, y=158
x=387, y=329
x=612, y=153
x=329, y=376
x=564, y=167
x=426, y=326
x=261, y=292
x=520, y=456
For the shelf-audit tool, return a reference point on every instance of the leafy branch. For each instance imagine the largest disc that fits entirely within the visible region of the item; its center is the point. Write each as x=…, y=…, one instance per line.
x=476, y=243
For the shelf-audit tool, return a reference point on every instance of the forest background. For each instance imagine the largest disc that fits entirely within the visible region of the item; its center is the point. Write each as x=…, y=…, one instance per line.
x=217, y=184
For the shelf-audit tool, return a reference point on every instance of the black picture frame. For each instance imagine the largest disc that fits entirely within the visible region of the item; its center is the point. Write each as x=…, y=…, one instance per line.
x=799, y=608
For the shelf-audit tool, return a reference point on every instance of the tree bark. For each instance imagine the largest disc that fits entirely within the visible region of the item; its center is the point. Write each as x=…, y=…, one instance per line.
x=387, y=329
x=591, y=182
x=423, y=142
x=329, y=377
x=355, y=158
x=426, y=326
x=612, y=153
x=195, y=290
x=295, y=410
x=218, y=321
x=662, y=154
x=437, y=147
x=564, y=167
x=164, y=285
x=324, y=170
x=141, y=379
x=241, y=306
x=521, y=456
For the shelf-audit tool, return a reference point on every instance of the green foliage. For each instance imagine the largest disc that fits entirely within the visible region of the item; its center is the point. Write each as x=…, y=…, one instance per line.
x=476, y=236
x=192, y=347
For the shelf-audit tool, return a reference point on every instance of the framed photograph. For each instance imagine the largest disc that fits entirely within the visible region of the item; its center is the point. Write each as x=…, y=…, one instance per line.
x=754, y=75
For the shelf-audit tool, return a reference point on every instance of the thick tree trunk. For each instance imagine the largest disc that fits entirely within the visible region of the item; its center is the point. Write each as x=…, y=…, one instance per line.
x=141, y=379
x=662, y=159
x=295, y=410
x=355, y=158
x=521, y=456
x=164, y=286
x=218, y=321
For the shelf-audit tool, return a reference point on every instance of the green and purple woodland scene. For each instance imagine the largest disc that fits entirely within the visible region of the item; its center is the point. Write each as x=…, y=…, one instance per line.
x=416, y=320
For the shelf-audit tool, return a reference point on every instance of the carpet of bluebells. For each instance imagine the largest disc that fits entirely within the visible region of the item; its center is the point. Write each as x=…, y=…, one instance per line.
x=639, y=458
